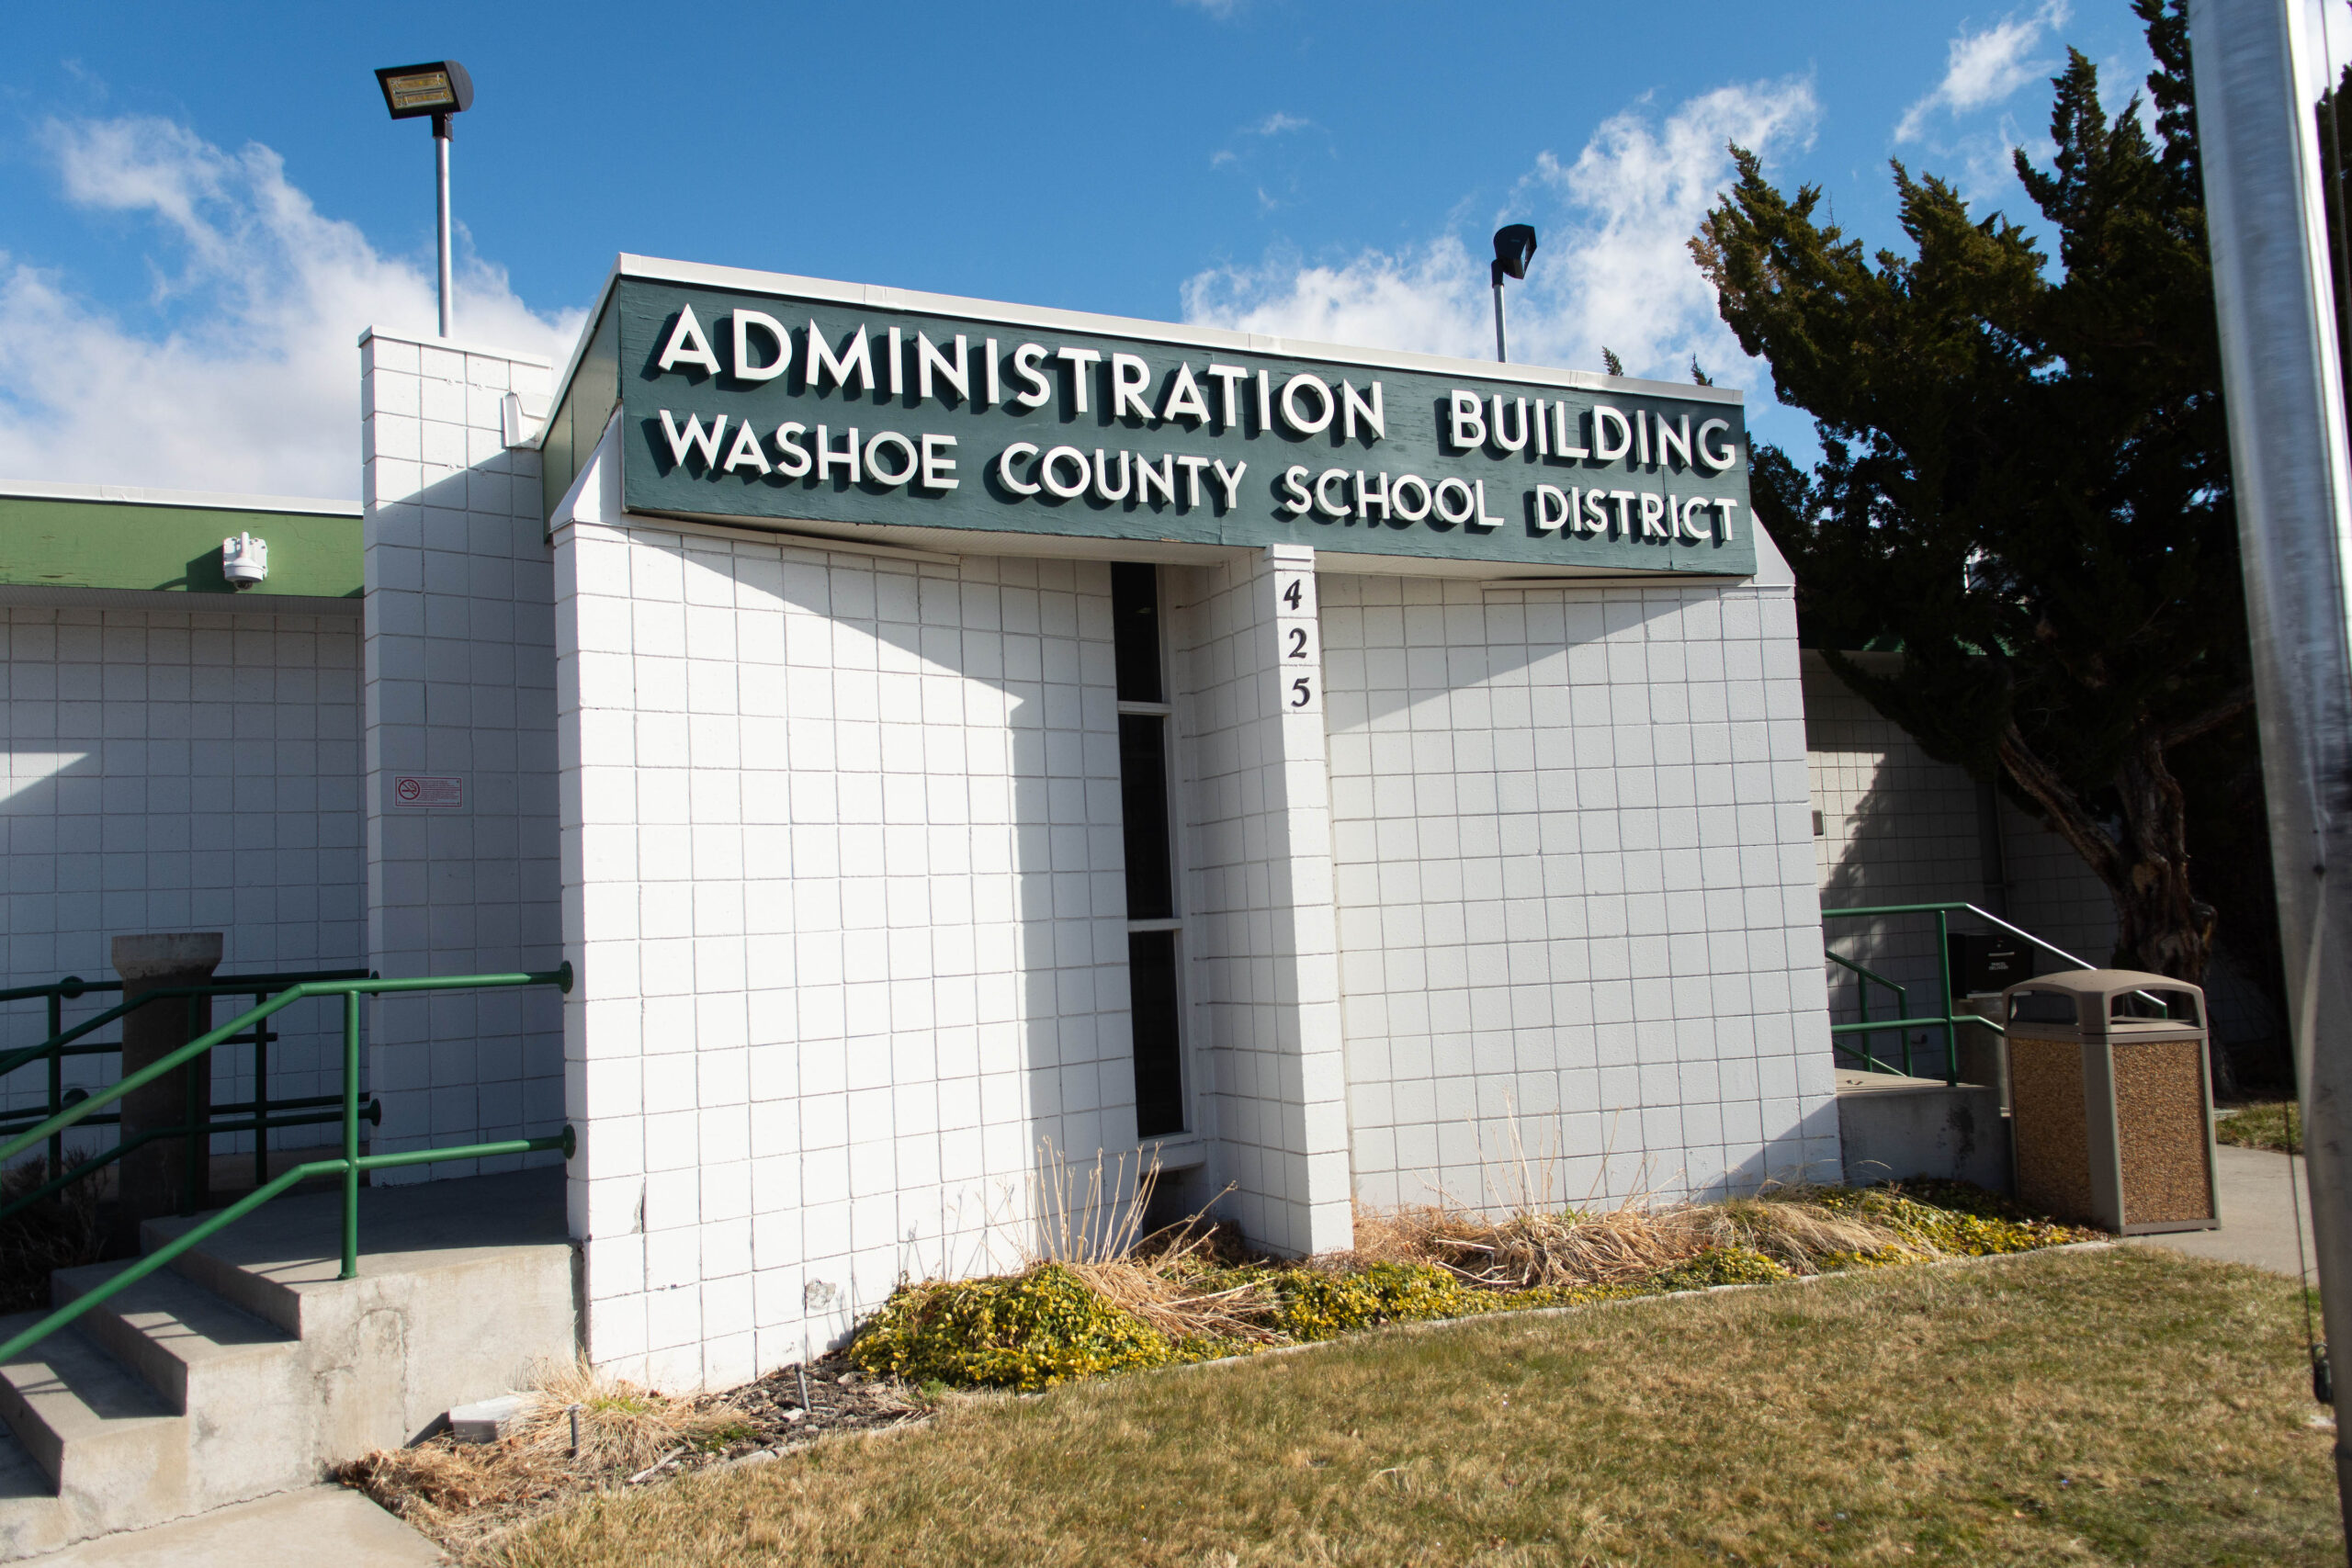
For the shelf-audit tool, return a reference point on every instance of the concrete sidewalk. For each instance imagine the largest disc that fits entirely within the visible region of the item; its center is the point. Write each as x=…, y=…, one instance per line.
x=292, y=1529
x=2257, y=1213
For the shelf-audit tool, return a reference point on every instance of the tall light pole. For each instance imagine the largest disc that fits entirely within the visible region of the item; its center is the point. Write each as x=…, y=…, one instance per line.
x=2255, y=65
x=1514, y=243
x=439, y=89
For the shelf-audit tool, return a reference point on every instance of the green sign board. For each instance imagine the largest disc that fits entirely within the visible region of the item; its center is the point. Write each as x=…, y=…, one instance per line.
x=829, y=403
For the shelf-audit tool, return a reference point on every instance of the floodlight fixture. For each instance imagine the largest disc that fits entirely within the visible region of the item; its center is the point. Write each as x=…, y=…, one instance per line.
x=439, y=89
x=1514, y=246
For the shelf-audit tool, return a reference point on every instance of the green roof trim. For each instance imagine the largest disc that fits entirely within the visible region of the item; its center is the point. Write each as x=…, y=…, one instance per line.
x=174, y=546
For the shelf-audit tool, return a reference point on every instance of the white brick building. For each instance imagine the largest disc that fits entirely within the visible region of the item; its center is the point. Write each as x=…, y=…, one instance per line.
x=1333, y=851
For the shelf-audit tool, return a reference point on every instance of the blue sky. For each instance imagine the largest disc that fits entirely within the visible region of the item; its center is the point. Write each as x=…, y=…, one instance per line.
x=200, y=205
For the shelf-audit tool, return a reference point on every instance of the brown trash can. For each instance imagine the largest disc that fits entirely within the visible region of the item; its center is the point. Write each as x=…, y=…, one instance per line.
x=2111, y=1099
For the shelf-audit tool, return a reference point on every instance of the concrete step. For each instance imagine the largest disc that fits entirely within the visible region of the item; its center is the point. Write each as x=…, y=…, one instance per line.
x=462, y=1286
x=32, y=1516
x=239, y=1379
x=250, y=1364
x=116, y=1453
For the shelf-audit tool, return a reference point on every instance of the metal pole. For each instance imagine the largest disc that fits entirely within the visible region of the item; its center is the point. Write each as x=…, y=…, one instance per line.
x=261, y=1095
x=441, y=184
x=1943, y=983
x=1502, y=344
x=56, y=1079
x=350, y=1133
x=2258, y=142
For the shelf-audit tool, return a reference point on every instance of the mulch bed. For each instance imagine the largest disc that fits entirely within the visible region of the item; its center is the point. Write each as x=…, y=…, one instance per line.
x=467, y=1496
x=793, y=1407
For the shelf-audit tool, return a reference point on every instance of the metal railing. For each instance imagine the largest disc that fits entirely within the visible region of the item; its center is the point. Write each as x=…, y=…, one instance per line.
x=1946, y=1019
x=63, y=1043
x=1862, y=1001
x=350, y=1164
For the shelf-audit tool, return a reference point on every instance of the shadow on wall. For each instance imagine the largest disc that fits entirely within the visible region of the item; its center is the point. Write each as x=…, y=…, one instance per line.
x=1889, y=857
x=1556, y=976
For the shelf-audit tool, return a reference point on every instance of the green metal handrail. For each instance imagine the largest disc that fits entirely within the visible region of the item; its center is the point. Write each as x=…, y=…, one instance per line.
x=58, y=1046
x=1947, y=1020
x=350, y=1164
x=1863, y=1005
x=372, y=1113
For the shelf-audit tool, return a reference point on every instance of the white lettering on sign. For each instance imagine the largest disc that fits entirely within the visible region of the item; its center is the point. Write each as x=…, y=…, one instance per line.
x=423, y=793
x=1298, y=644
x=872, y=368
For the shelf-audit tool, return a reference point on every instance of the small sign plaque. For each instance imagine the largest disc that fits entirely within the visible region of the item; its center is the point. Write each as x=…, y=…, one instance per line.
x=420, y=792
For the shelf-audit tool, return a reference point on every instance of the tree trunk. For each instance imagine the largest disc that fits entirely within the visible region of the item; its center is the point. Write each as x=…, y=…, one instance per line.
x=2160, y=925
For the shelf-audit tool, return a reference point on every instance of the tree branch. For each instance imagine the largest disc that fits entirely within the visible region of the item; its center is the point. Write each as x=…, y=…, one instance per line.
x=2212, y=718
x=2074, y=824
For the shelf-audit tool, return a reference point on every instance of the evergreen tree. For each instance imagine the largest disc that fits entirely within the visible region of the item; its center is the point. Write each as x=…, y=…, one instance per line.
x=2025, y=480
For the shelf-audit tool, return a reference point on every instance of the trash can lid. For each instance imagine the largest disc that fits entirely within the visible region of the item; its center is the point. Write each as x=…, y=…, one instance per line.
x=2117, y=999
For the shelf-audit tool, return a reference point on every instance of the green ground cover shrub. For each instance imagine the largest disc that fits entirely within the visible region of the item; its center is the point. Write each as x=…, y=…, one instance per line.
x=1027, y=1332
x=1053, y=1324
x=1721, y=1266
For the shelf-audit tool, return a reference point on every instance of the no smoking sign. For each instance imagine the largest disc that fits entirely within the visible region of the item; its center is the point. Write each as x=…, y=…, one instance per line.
x=429, y=794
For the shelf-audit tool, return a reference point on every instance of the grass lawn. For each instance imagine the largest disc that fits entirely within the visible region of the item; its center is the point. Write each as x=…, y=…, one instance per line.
x=2276, y=1125
x=2119, y=1406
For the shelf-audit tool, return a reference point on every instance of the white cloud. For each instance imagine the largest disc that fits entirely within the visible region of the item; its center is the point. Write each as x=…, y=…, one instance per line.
x=1612, y=268
x=1985, y=67
x=1222, y=10
x=1277, y=122
x=250, y=380
x=1432, y=300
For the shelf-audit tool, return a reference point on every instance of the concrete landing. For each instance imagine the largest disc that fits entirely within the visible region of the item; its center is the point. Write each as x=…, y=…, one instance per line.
x=297, y=1240
x=2257, y=1213
x=1892, y=1128
x=293, y=1530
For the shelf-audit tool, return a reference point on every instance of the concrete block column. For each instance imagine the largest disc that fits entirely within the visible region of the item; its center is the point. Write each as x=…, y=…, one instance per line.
x=1264, y=987
x=161, y=1178
x=460, y=766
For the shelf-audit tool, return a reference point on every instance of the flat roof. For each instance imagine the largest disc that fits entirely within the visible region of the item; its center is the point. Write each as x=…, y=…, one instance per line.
x=123, y=545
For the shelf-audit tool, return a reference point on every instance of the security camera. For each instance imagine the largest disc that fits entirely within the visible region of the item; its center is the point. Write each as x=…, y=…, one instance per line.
x=244, y=560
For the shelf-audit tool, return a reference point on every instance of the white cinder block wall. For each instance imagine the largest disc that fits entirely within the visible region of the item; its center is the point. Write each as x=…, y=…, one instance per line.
x=1260, y=928
x=1577, y=917
x=1900, y=828
x=1897, y=826
x=175, y=770
x=844, y=876
x=461, y=683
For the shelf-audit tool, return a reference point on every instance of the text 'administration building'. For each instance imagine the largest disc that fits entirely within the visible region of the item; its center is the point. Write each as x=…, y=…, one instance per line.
x=935, y=730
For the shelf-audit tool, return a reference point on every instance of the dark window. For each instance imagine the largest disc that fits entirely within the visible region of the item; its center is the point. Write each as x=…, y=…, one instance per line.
x=1134, y=631
x=1143, y=802
x=1151, y=874
x=1160, y=1076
